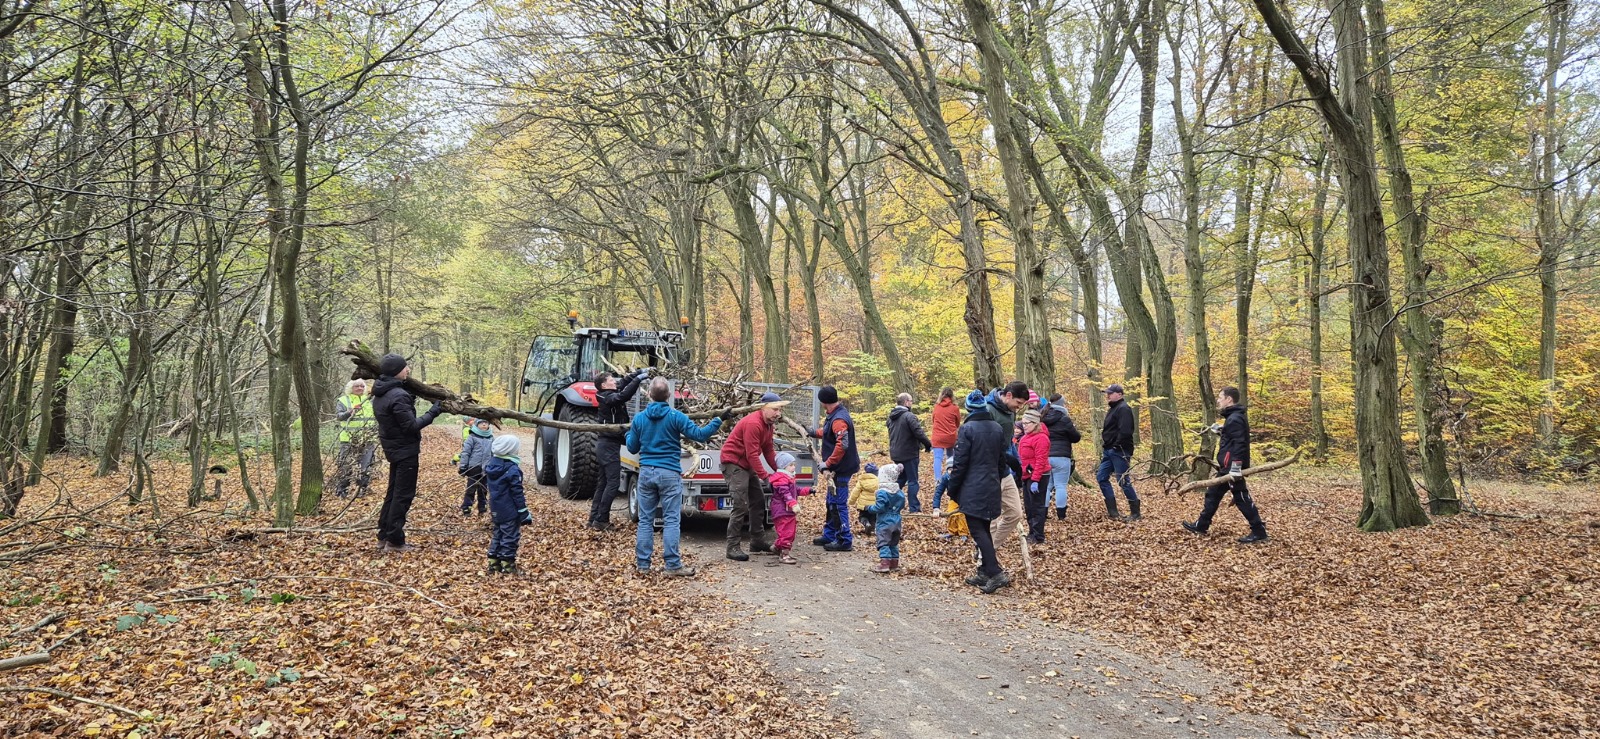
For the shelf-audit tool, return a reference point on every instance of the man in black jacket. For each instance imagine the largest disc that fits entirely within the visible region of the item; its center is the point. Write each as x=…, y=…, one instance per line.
x=1117, y=438
x=1233, y=458
x=613, y=403
x=400, y=433
x=978, y=465
x=1063, y=434
x=907, y=441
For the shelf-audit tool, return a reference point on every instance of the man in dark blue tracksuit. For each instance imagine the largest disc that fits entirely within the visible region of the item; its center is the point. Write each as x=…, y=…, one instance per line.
x=838, y=434
x=1233, y=457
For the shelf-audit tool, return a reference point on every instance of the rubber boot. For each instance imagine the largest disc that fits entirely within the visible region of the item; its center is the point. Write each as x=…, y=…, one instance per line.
x=1133, y=510
x=883, y=565
x=1061, y=514
x=736, y=554
x=1111, y=510
x=494, y=566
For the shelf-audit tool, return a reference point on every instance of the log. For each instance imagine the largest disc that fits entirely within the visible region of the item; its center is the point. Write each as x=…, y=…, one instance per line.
x=26, y=660
x=466, y=405
x=1269, y=467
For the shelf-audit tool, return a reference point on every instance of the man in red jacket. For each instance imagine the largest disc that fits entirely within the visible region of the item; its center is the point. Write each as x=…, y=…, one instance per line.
x=747, y=459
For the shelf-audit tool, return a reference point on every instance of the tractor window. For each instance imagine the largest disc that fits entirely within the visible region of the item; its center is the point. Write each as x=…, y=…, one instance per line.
x=550, y=362
x=621, y=356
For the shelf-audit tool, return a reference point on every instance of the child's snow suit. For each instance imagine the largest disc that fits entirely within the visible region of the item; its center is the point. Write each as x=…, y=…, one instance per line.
x=886, y=510
x=784, y=494
x=508, y=510
x=863, y=490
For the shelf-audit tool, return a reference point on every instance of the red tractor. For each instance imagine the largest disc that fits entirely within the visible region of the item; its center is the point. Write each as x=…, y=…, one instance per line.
x=557, y=382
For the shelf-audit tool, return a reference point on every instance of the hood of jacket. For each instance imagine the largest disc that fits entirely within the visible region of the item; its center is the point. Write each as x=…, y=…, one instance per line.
x=386, y=384
x=657, y=410
x=898, y=411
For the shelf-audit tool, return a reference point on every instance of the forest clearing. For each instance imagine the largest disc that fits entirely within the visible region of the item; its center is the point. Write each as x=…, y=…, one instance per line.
x=950, y=367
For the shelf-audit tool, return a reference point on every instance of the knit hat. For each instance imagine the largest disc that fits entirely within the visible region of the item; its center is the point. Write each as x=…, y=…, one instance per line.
x=889, y=477
x=1032, y=416
x=773, y=400
x=976, y=400
x=785, y=459
x=391, y=364
x=1033, y=397
x=870, y=469
x=505, y=445
x=828, y=394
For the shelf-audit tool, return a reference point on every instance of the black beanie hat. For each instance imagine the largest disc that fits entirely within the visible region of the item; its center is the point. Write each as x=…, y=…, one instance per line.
x=827, y=394
x=391, y=364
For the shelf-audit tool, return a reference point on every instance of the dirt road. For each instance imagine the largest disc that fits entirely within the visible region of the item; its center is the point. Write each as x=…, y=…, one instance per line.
x=909, y=656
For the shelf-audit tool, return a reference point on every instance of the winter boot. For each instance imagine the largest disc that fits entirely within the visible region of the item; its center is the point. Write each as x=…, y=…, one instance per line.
x=1133, y=510
x=509, y=567
x=995, y=583
x=894, y=564
x=883, y=566
x=736, y=554
x=1111, y=510
x=1194, y=528
x=1061, y=514
x=494, y=566
x=1255, y=537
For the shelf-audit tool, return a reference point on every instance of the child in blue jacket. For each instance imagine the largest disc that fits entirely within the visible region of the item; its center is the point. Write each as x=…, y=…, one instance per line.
x=886, y=510
x=508, y=510
x=470, y=463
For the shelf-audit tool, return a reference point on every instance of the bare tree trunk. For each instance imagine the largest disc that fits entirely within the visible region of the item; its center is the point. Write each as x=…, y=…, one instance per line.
x=1547, y=228
x=1420, y=335
x=1316, y=300
x=1388, y=499
x=1193, y=260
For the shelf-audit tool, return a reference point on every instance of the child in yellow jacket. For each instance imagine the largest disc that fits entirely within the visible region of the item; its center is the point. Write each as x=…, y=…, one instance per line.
x=864, y=491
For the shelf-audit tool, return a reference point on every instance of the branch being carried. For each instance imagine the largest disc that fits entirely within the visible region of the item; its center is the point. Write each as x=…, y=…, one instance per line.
x=1269, y=467
x=466, y=405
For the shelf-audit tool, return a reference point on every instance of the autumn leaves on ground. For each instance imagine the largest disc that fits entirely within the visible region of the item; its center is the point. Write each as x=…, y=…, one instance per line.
x=190, y=625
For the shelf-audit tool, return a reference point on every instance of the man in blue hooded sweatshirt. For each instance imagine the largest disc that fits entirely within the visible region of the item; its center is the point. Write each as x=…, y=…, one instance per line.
x=657, y=437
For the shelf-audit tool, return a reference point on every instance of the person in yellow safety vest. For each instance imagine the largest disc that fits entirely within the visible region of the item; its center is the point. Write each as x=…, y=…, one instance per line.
x=357, y=438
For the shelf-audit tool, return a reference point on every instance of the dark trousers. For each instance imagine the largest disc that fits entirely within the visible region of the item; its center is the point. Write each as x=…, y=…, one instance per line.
x=1034, y=504
x=910, y=484
x=1241, y=500
x=749, y=503
x=837, y=526
x=979, y=528
x=397, y=501
x=477, y=490
x=608, y=452
x=507, y=529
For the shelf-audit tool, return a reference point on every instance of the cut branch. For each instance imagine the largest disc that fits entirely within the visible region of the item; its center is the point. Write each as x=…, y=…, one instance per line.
x=1269, y=467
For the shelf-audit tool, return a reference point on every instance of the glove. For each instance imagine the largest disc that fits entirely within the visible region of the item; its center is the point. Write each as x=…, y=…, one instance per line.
x=437, y=406
x=1235, y=471
x=1033, y=487
x=461, y=472
x=524, y=517
x=1215, y=428
x=927, y=447
x=824, y=468
x=726, y=415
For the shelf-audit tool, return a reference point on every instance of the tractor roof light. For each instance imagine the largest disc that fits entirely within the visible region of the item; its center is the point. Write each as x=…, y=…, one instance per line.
x=572, y=318
x=684, y=322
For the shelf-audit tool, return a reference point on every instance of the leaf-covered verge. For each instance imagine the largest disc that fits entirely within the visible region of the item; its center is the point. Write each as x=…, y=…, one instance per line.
x=200, y=629
x=1473, y=626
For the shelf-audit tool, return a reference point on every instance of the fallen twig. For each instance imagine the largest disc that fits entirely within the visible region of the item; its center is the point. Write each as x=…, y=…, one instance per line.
x=247, y=534
x=43, y=622
x=1269, y=467
x=124, y=710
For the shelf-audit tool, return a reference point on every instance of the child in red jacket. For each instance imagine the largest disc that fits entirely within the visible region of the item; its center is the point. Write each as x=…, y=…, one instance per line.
x=1034, y=452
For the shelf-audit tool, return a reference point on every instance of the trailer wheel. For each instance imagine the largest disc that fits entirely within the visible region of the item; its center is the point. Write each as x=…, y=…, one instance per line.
x=544, y=469
x=576, y=467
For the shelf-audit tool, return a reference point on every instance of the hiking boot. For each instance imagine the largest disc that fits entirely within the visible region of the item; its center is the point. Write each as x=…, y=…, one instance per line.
x=883, y=566
x=1061, y=514
x=762, y=544
x=995, y=583
x=821, y=541
x=837, y=546
x=599, y=526
x=1253, y=538
x=736, y=554
x=977, y=579
x=1111, y=510
x=1133, y=510
x=401, y=549
x=1194, y=528
x=680, y=572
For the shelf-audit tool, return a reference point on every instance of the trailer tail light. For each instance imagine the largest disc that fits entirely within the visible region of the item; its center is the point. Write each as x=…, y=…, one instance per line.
x=708, y=504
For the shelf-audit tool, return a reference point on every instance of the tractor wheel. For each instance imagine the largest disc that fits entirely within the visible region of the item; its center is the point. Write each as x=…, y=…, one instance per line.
x=544, y=464
x=576, y=466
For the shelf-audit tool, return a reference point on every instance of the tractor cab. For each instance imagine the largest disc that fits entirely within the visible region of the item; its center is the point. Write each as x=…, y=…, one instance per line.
x=557, y=383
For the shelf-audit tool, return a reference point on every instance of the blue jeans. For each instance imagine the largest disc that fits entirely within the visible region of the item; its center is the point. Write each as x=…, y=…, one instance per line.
x=1060, y=475
x=1115, y=462
x=659, y=489
x=909, y=484
x=837, y=527
x=939, y=455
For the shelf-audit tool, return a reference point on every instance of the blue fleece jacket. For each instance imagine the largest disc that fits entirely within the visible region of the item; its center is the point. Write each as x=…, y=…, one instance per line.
x=655, y=435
